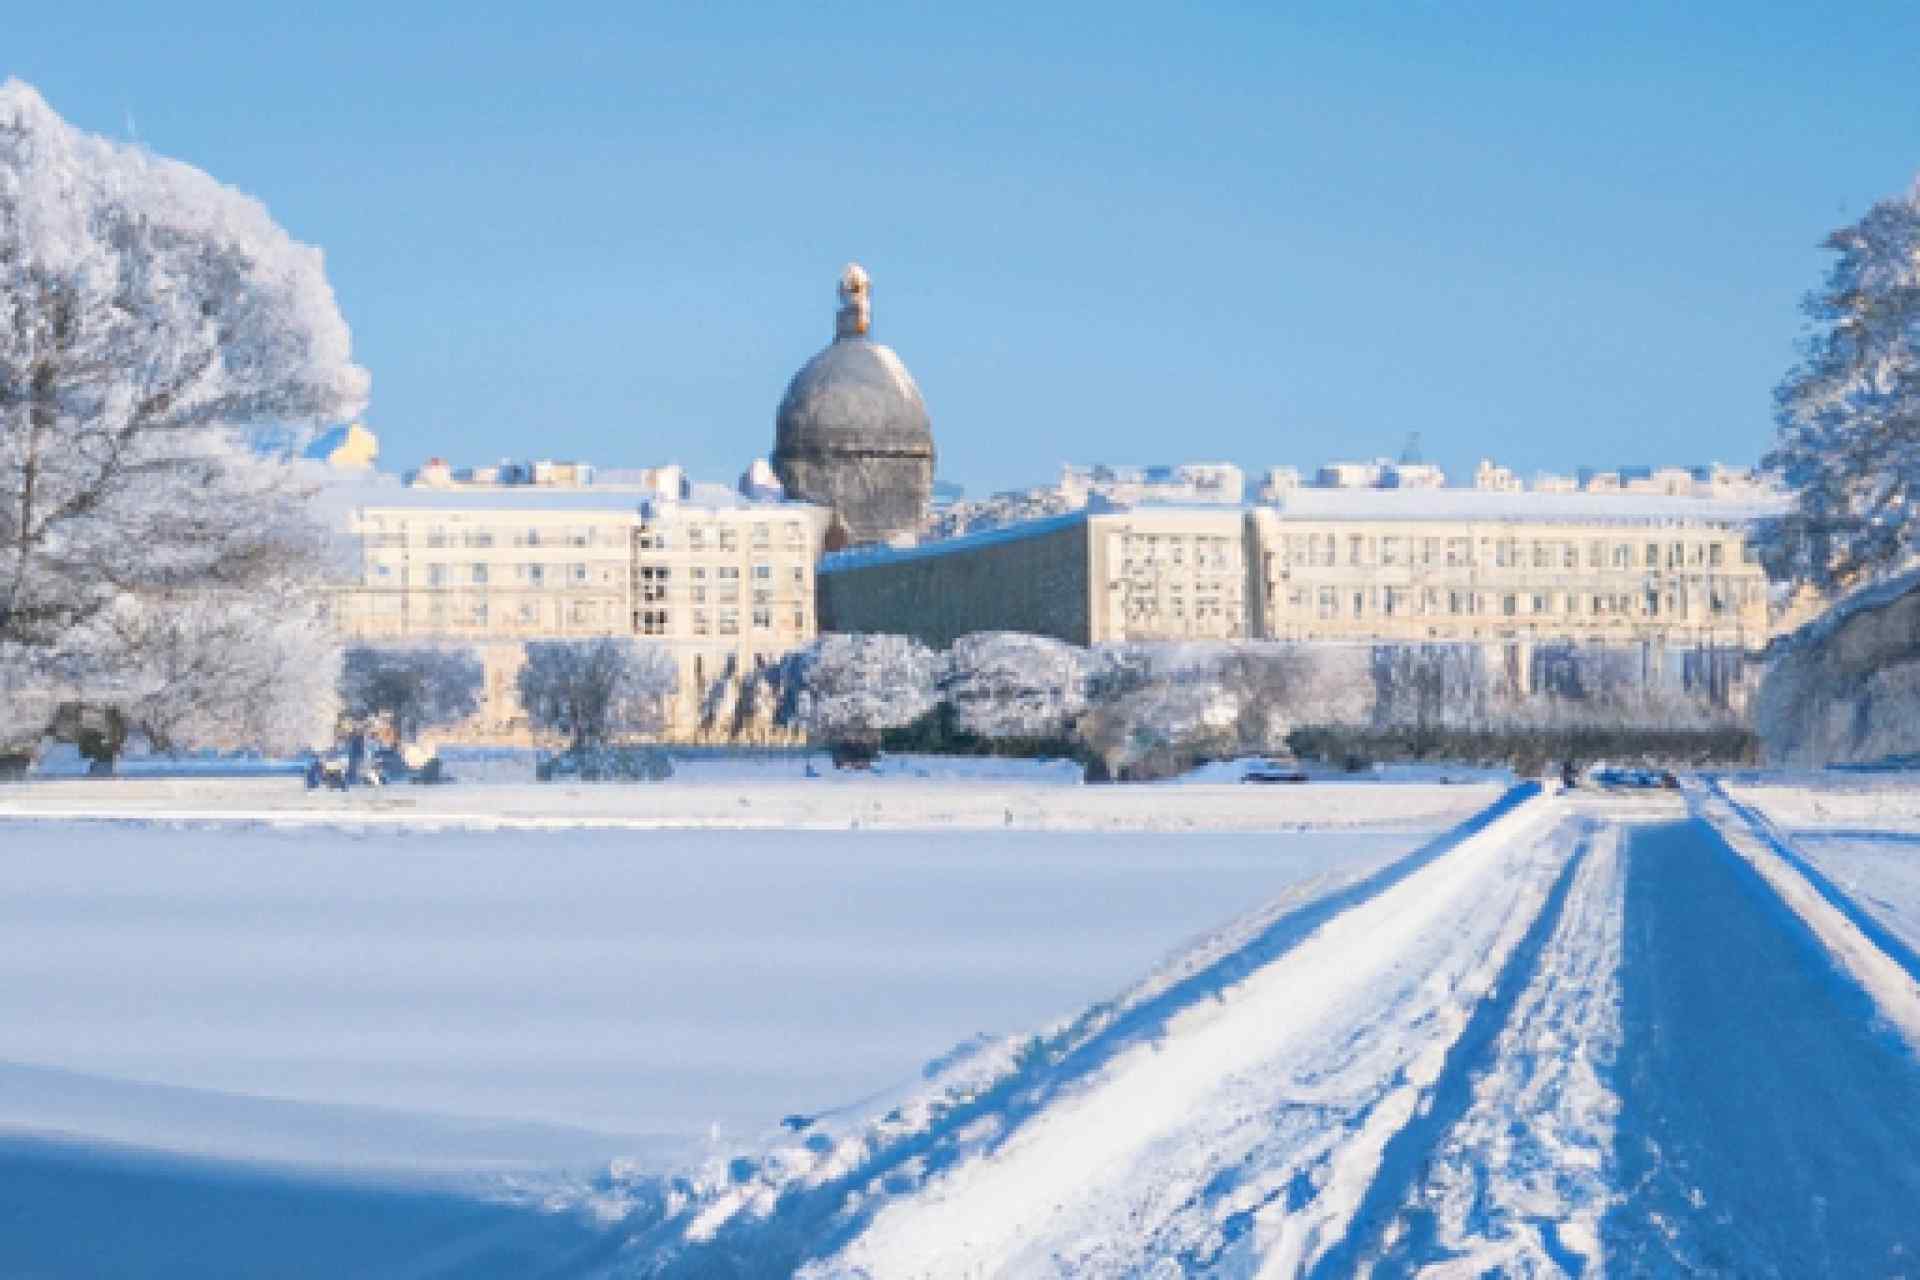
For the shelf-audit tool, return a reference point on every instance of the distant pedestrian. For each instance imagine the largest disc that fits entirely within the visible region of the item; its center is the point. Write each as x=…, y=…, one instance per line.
x=356, y=754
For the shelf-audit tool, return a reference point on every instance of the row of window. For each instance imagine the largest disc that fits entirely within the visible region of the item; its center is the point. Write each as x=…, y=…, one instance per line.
x=1325, y=550
x=722, y=536
x=1337, y=602
x=723, y=621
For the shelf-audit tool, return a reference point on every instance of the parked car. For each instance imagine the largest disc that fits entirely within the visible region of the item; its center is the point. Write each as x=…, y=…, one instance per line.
x=1633, y=778
x=1274, y=770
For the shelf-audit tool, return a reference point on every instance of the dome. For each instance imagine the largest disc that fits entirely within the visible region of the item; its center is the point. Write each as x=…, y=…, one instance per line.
x=852, y=432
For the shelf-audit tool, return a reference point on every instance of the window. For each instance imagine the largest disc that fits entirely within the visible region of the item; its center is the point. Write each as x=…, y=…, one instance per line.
x=1540, y=604
x=1354, y=544
x=1390, y=551
x=653, y=622
x=729, y=622
x=763, y=573
x=795, y=536
x=1622, y=556
x=1716, y=555
x=1328, y=603
x=697, y=537
x=729, y=538
x=760, y=535
x=579, y=573
x=1653, y=555
x=1509, y=605
x=436, y=575
x=537, y=574
x=529, y=612
x=762, y=619
x=700, y=622
x=479, y=574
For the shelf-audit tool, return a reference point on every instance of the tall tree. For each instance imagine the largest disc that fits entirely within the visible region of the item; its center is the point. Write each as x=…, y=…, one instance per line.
x=1849, y=413
x=416, y=688
x=149, y=318
x=592, y=691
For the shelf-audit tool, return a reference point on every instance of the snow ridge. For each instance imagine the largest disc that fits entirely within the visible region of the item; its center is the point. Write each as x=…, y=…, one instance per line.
x=1519, y=1184
x=1228, y=1115
x=1860, y=947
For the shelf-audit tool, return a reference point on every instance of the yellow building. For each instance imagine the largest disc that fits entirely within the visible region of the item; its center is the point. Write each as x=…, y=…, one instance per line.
x=1405, y=565
x=721, y=582
x=1470, y=565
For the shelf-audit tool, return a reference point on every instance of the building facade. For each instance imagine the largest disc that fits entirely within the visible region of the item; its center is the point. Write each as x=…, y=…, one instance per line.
x=1392, y=566
x=1462, y=565
x=721, y=583
x=1088, y=577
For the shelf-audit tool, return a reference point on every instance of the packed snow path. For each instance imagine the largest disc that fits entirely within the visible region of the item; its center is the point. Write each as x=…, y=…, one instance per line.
x=1770, y=1120
x=1582, y=1036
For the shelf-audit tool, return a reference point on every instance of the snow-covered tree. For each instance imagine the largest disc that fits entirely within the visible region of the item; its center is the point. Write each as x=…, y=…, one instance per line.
x=593, y=691
x=848, y=686
x=150, y=316
x=1849, y=413
x=1007, y=684
x=416, y=688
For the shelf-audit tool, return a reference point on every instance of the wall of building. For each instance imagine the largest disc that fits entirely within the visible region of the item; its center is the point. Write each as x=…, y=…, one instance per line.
x=1680, y=582
x=1031, y=579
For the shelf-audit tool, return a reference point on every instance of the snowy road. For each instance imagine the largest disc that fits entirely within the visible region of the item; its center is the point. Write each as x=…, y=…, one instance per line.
x=1586, y=1035
x=1770, y=1123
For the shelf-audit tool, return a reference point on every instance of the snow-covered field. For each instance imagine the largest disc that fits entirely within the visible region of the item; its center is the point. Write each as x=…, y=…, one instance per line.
x=778, y=795
x=447, y=996
x=1655, y=1033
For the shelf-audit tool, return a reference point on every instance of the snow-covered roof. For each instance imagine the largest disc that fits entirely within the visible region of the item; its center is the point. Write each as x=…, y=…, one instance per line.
x=860, y=557
x=1481, y=504
x=624, y=501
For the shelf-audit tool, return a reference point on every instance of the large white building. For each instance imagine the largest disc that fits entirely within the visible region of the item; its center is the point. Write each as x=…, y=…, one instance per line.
x=722, y=582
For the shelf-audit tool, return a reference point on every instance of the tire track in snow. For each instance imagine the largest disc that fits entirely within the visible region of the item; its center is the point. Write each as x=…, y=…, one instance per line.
x=1244, y=1140
x=1521, y=1179
x=766, y=1213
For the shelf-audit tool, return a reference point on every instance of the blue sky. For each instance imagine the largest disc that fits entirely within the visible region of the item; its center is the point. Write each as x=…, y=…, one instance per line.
x=1559, y=234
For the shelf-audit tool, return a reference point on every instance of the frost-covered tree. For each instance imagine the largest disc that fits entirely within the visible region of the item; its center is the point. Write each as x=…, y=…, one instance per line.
x=1007, y=684
x=1849, y=413
x=593, y=691
x=851, y=687
x=149, y=317
x=415, y=688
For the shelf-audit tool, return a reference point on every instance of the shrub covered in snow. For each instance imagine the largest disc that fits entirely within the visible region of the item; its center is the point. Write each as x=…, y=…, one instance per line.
x=1006, y=684
x=848, y=686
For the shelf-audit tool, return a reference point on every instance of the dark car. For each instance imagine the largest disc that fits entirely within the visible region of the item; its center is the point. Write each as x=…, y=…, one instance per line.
x=1274, y=771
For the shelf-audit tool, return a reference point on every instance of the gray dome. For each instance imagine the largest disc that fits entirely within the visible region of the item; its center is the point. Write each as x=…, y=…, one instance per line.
x=852, y=432
x=855, y=395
